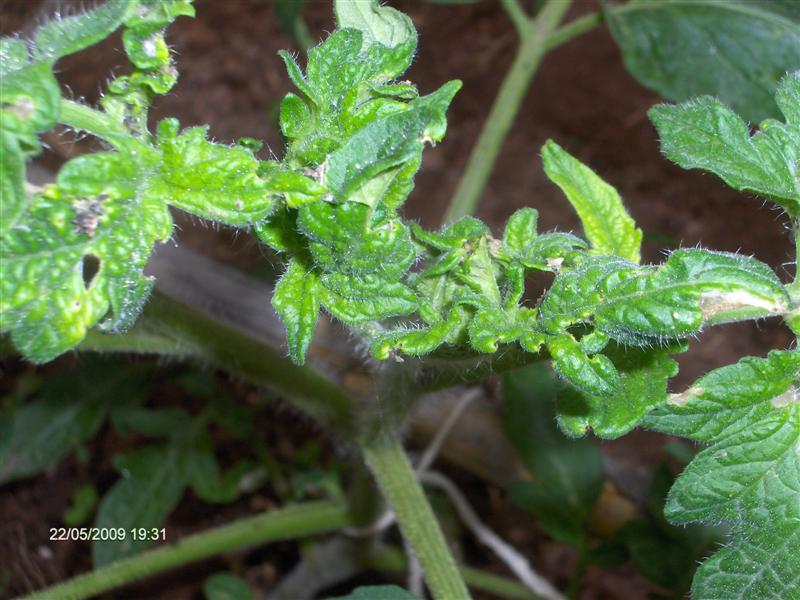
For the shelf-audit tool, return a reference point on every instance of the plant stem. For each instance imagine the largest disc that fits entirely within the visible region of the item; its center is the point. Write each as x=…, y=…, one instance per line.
x=572, y=30
x=393, y=559
x=576, y=581
x=292, y=522
x=84, y=118
x=183, y=331
x=504, y=110
x=392, y=470
x=517, y=15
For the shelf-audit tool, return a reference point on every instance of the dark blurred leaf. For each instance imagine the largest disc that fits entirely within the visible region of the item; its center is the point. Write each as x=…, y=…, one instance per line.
x=84, y=499
x=568, y=473
x=290, y=17
x=153, y=422
x=202, y=473
x=151, y=486
x=680, y=451
x=665, y=554
x=227, y=586
x=736, y=50
x=378, y=592
x=231, y=415
x=67, y=411
x=666, y=561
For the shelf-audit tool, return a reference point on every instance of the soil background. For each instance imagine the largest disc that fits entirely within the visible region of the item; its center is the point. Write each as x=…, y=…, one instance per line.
x=232, y=80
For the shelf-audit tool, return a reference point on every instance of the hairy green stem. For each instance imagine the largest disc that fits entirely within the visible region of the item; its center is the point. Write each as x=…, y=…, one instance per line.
x=292, y=522
x=392, y=470
x=136, y=341
x=186, y=332
x=504, y=110
x=393, y=559
x=84, y=118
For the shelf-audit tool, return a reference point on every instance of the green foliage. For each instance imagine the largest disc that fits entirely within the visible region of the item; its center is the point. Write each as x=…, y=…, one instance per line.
x=151, y=487
x=568, y=474
x=106, y=210
x=606, y=223
x=155, y=477
x=30, y=96
x=665, y=554
x=227, y=586
x=357, y=137
x=642, y=386
x=377, y=24
x=705, y=134
x=378, y=592
x=290, y=16
x=749, y=415
x=66, y=412
x=90, y=220
x=84, y=501
x=74, y=252
x=209, y=180
x=735, y=49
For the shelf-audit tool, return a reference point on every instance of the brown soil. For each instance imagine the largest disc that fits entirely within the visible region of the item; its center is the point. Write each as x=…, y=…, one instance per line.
x=582, y=97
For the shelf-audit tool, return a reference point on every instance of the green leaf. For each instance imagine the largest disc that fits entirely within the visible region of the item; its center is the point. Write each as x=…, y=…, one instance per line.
x=279, y=231
x=576, y=293
x=377, y=592
x=453, y=236
x=735, y=49
x=368, y=298
x=68, y=35
x=418, y=342
x=67, y=412
x=296, y=300
x=705, y=134
x=93, y=220
x=387, y=143
x=84, y=501
x=151, y=486
x=520, y=231
x=377, y=24
x=199, y=466
x=595, y=376
x=606, y=223
x=694, y=287
x=209, y=180
x=551, y=251
x=13, y=54
x=489, y=328
x=481, y=276
x=30, y=102
x=227, y=586
x=568, y=474
x=29, y=93
x=143, y=39
x=12, y=182
x=749, y=476
x=643, y=376
x=642, y=305
x=152, y=422
x=336, y=231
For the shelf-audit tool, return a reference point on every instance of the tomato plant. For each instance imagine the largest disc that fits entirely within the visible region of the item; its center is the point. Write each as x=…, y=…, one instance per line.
x=433, y=309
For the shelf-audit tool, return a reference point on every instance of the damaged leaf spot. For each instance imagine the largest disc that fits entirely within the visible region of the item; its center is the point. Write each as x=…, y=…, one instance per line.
x=88, y=214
